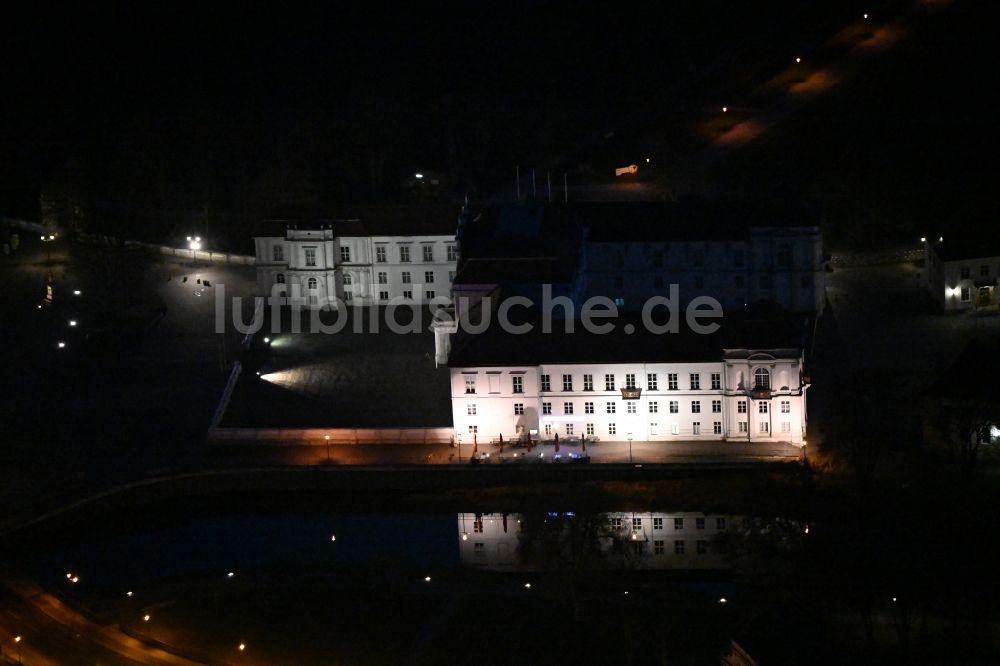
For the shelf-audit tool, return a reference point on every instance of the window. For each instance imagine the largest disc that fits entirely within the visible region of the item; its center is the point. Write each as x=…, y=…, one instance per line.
x=610, y=408
x=517, y=384
x=312, y=284
x=609, y=382
x=984, y=270
x=479, y=549
x=765, y=281
x=470, y=384
x=406, y=277
x=567, y=382
x=696, y=428
x=762, y=407
x=428, y=252
x=695, y=382
x=739, y=282
x=786, y=406
x=679, y=547
x=380, y=254
x=546, y=386
x=658, y=259
x=546, y=408
x=654, y=407
x=383, y=295
x=699, y=523
x=765, y=427
x=678, y=523
x=383, y=277
x=630, y=380
x=761, y=378
x=569, y=429
x=743, y=427
x=429, y=294
x=636, y=524
x=567, y=408
x=473, y=430
x=717, y=427
x=651, y=382
x=716, y=406
x=631, y=407
x=348, y=279
x=404, y=254
x=451, y=276
x=964, y=273
x=471, y=409
x=548, y=429
x=452, y=253
x=588, y=382
x=590, y=429
x=616, y=523
x=672, y=381
x=701, y=546
x=280, y=278
x=696, y=406
x=428, y=277
x=699, y=258
x=675, y=429
x=741, y=406
x=477, y=526
x=738, y=258
x=519, y=408
x=348, y=296
x=345, y=253
x=658, y=548
x=278, y=253
x=720, y=523
x=966, y=294
x=786, y=426
x=653, y=427
x=612, y=430
x=619, y=301
x=310, y=253
x=588, y=408
x=674, y=406
x=784, y=256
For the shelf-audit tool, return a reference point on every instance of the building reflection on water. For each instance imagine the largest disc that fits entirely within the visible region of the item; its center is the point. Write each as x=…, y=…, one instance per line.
x=635, y=540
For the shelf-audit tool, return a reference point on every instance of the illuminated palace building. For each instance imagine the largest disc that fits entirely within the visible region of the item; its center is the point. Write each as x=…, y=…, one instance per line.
x=630, y=386
x=628, y=540
x=381, y=254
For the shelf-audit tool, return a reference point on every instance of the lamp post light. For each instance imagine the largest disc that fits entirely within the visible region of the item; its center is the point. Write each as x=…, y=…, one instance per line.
x=17, y=642
x=630, y=448
x=327, y=438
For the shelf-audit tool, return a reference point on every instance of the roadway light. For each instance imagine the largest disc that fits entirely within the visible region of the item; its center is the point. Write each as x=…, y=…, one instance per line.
x=129, y=594
x=230, y=574
x=427, y=579
x=333, y=537
x=72, y=322
x=866, y=17
x=941, y=239
x=527, y=586
x=145, y=618
x=798, y=60
x=418, y=176
x=722, y=600
x=243, y=646
x=725, y=109
x=267, y=341
x=923, y=239
x=647, y=160
x=61, y=345
x=77, y=292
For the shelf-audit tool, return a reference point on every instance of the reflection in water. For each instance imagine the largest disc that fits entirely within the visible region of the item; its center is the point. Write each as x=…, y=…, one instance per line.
x=634, y=540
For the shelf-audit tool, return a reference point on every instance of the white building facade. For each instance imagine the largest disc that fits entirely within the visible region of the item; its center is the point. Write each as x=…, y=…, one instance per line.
x=970, y=283
x=318, y=266
x=745, y=395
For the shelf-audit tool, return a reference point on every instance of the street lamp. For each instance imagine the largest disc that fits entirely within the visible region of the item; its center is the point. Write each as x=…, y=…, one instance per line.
x=194, y=242
x=630, y=448
x=327, y=438
x=17, y=642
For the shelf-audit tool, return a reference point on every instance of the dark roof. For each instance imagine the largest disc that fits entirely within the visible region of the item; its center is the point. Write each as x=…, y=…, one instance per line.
x=514, y=270
x=967, y=248
x=494, y=347
x=373, y=220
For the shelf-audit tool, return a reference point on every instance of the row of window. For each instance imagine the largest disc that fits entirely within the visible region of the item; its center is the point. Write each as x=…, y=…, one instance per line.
x=427, y=253
x=699, y=523
x=569, y=429
x=611, y=407
x=762, y=380
x=698, y=282
x=984, y=271
x=696, y=257
x=407, y=278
